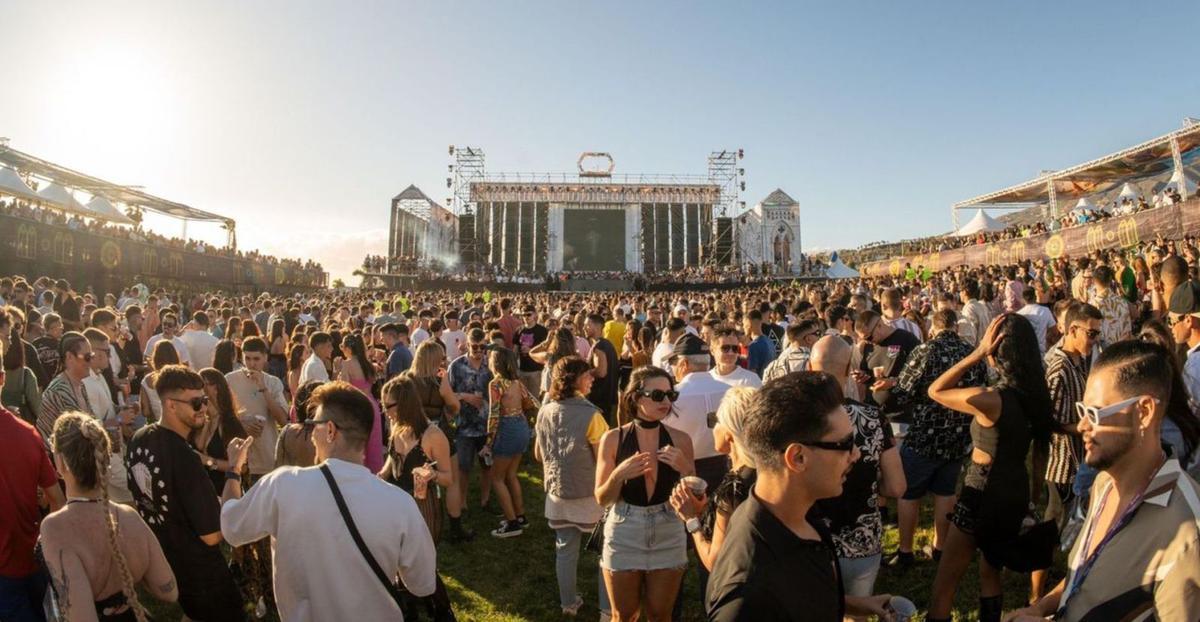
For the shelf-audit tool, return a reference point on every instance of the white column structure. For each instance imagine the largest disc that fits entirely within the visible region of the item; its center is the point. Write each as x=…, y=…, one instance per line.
x=554, y=242
x=633, y=233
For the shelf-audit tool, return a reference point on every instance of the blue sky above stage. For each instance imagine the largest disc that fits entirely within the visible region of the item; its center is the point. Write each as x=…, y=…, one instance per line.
x=302, y=119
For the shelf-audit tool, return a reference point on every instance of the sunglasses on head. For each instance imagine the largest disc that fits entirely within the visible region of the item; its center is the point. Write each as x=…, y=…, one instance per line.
x=1095, y=413
x=196, y=402
x=658, y=395
x=846, y=444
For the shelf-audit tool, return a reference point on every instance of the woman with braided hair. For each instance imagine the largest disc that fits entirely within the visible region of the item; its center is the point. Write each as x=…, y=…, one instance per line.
x=95, y=578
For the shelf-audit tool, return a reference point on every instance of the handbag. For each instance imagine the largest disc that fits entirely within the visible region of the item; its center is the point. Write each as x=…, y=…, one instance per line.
x=391, y=588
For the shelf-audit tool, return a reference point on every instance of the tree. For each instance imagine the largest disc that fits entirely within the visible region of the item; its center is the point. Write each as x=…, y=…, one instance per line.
x=338, y=284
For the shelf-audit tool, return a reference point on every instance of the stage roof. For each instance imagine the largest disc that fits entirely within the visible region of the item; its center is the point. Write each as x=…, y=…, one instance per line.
x=113, y=192
x=1148, y=159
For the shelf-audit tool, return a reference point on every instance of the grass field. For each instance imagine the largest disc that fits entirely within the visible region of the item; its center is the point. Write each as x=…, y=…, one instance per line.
x=513, y=580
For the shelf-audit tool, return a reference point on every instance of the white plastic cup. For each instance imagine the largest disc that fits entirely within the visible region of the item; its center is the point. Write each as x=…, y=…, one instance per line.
x=902, y=609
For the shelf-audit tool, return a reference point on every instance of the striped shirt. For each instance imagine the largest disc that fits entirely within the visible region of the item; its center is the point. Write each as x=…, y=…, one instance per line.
x=1066, y=377
x=1150, y=569
x=59, y=397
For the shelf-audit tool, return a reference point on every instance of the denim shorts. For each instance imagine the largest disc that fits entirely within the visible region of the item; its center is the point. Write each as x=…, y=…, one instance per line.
x=512, y=439
x=924, y=475
x=643, y=538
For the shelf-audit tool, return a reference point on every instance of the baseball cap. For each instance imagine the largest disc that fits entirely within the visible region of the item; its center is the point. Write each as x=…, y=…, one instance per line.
x=1185, y=300
x=689, y=345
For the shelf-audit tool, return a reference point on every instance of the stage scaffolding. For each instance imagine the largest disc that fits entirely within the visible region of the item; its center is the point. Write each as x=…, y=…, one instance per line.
x=467, y=167
x=725, y=172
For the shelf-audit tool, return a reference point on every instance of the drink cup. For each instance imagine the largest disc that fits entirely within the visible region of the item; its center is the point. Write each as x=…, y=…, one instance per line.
x=880, y=371
x=902, y=609
x=420, y=482
x=695, y=485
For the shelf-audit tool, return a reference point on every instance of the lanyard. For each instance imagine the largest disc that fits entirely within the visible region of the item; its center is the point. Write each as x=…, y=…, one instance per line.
x=1122, y=521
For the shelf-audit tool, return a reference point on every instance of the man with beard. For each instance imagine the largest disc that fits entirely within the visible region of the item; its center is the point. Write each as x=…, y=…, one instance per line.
x=175, y=496
x=1135, y=556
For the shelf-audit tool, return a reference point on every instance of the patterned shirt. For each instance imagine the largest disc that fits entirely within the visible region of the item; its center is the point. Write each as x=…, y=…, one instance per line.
x=59, y=397
x=936, y=431
x=1116, y=325
x=1066, y=376
x=466, y=379
x=853, y=518
x=792, y=359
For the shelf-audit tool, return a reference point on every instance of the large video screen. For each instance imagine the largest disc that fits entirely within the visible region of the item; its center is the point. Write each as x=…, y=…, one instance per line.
x=594, y=239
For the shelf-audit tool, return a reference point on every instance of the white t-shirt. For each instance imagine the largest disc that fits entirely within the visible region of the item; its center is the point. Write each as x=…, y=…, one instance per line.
x=200, y=346
x=314, y=369
x=699, y=395
x=1041, y=318
x=455, y=341
x=661, y=353
x=180, y=349
x=740, y=377
x=417, y=336
x=319, y=573
x=253, y=404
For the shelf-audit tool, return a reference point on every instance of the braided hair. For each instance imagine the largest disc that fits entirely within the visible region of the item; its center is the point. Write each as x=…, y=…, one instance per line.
x=83, y=446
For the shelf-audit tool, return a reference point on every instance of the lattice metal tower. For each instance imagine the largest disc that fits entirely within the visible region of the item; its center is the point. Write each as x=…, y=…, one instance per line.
x=724, y=172
x=467, y=167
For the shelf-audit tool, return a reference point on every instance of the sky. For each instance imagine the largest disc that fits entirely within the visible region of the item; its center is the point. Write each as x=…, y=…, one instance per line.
x=302, y=119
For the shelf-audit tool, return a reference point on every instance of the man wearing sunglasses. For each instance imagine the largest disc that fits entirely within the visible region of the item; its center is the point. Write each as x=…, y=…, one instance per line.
x=170, y=328
x=1135, y=557
x=726, y=348
x=1067, y=366
x=1183, y=315
x=803, y=443
x=66, y=392
x=800, y=339
x=175, y=496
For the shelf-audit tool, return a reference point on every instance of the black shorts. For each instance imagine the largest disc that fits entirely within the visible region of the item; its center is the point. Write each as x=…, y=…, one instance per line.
x=211, y=598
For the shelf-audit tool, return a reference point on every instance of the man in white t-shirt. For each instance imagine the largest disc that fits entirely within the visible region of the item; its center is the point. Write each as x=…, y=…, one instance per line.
x=1041, y=317
x=200, y=343
x=662, y=352
x=699, y=396
x=726, y=348
x=420, y=332
x=320, y=574
x=170, y=324
x=316, y=366
x=99, y=401
x=454, y=338
x=264, y=407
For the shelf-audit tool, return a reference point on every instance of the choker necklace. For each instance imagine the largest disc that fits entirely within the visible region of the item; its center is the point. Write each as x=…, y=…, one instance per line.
x=82, y=500
x=646, y=425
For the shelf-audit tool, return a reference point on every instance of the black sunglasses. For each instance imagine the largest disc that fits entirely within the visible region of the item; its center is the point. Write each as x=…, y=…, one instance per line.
x=87, y=356
x=846, y=444
x=730, y=349
x=657, y=395
x=1092, y=333
x=196, y=402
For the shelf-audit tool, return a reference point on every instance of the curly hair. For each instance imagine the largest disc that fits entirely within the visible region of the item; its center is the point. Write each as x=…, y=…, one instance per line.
x=565, y=375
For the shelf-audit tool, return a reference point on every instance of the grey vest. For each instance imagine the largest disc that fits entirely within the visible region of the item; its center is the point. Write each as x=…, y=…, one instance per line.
x=567, y=460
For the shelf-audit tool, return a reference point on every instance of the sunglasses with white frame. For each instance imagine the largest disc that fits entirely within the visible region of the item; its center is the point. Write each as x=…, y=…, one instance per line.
x=1095, y=413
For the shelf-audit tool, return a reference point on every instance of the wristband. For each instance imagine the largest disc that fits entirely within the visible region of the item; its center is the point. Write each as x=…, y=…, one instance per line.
x=693, y=525
x=233, y=476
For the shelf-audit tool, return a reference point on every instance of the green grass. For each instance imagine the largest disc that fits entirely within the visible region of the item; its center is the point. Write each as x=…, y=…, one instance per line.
x=513, y=579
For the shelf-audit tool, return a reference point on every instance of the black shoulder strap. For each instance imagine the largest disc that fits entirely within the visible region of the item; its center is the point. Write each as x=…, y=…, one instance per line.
x=358, y=541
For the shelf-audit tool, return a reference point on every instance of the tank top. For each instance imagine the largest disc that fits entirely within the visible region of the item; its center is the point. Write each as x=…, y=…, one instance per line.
x=633, y=491
x=415, y=458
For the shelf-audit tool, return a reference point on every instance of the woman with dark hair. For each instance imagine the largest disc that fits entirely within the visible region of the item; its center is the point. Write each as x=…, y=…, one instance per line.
x=164, y=354
x=20, y=393
x=994, y=499
x=225, y=356
x=250, y=329
x=569, y=429
x=645, y=545
x=233, y=330
x=277, y=357
x=294, y=447
x=221, y=426
x=358, y=371
x=96, y=578
x=296, y=355
x=507, y=438
x=418, y=460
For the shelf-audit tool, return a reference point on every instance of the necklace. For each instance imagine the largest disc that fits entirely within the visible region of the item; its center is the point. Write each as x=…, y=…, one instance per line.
x=82, y=500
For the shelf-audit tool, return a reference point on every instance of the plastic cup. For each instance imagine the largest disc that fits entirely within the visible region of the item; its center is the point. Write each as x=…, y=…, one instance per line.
x=420, y=483
x=880, y=371
x=695, y=485
x=902, y=609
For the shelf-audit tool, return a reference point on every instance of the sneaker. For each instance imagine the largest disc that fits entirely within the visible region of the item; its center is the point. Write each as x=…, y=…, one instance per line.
x=573, y=610
x=508, y=530
x=521, y=520
x=902, y=560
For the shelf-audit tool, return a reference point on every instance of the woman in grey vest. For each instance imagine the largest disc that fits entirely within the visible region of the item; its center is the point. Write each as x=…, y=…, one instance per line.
x=568, y=432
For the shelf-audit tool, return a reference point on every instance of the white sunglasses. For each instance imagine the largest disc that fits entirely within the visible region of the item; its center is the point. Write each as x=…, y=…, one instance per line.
x=1095, y=413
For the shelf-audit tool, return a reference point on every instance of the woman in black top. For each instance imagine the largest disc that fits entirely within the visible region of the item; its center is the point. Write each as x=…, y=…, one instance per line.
x=222, y=426
x=995, y=492
x=645, y=546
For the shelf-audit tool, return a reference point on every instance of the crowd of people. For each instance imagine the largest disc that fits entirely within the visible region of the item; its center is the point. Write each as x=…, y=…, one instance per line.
x=310, y=453
x=1123, y=206
x=136, y=232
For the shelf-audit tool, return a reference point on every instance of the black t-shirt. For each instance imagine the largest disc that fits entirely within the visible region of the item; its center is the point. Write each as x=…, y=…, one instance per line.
x=853, y=517
x=175, y=497
x=604, y=390
x=774, y=333
x=890, y=353
x=525, y=340
x=47, y=353
x=766, y=572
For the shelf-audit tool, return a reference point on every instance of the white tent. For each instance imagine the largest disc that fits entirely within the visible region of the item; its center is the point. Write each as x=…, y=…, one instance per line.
x=981, y=222
x=12, y=184
x=1128, y=192
x=63, y=199
x=1084, y=205
x=1183, y=183
x=839, y=270
x=106, y=211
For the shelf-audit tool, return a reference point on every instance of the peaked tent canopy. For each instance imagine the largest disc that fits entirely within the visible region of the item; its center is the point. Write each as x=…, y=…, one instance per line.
x=839, y=270
x=12, y=184
x=63, y=199
x=1128, y=192
x=981, y=222
x=1084, y=205
x=106, y=211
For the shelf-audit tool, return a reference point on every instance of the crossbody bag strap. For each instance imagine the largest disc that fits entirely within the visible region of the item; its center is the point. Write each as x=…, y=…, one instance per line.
x=391, y=588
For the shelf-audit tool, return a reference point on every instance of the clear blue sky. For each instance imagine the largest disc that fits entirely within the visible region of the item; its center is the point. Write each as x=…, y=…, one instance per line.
x=302, y=119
